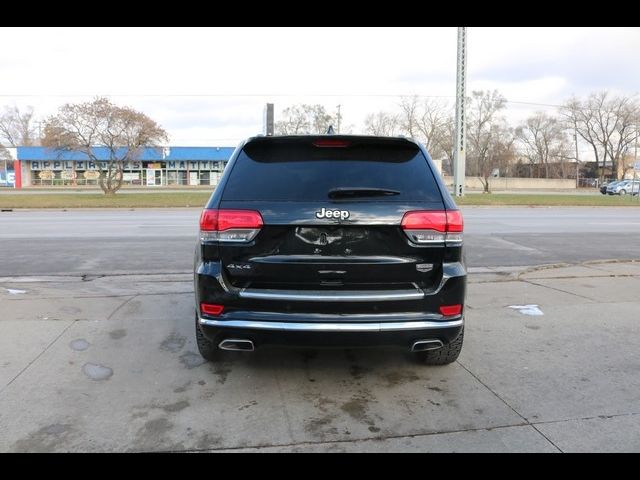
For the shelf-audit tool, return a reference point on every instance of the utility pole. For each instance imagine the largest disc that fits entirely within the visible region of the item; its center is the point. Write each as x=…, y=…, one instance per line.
x=461, y=94
x=635, y=150
x=269, y=120
x=635, y=164
x=575, y=138
x=339, y=118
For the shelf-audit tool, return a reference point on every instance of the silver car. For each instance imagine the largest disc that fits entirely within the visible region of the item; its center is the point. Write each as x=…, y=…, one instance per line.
x=623, y=187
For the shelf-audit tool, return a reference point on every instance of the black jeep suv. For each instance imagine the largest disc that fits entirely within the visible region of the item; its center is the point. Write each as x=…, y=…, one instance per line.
x=330, y=240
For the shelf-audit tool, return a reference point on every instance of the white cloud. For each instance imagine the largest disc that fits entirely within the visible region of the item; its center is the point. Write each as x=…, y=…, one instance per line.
x=362, y=69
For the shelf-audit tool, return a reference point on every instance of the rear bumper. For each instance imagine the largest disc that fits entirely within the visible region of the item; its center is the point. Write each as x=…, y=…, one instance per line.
x=332, y=333
x=211, y=286
x=338, y=318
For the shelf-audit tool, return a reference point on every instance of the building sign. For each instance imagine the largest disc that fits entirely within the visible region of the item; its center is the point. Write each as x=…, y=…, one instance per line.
x=45, y=175
x=83, y=165
x=176, y=165
x=90, y=175
x=68, y=175
x=131, y=176
x=80, y=165
x=194, y=165
x=9, y=181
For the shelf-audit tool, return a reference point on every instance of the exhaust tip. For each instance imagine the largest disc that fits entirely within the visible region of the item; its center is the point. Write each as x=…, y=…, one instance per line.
x=235, y=345
x=424, y=345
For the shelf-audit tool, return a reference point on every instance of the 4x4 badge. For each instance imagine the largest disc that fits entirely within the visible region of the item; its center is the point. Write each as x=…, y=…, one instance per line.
x=341, y=214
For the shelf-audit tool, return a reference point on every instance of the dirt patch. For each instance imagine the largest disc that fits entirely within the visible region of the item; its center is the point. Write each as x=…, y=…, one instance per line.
x=173, y=343
x=396, y=378
x=356, y=408
x=221, y=370
x=252, y=403
x=191, y=360
x=358, y=372
x=182, y=388
x=175, y=407
x=208, y=441
x=118, y=334
x=50, y=438
x=152, y=434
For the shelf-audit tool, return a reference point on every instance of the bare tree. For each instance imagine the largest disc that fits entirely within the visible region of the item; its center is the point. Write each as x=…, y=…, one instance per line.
x=432, y=125
x=608, y=124
x=122, y=131
x=409, y=107
x=427, y=121
x=18, y=128
x=542, y=139
x=446, y=145
x=488, y=135
x=431, y=122
x=305, y=119
x=382, y=124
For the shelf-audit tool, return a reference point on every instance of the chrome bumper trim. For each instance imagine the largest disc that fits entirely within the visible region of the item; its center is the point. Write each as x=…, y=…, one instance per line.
x=333, y=327
x=332, y=295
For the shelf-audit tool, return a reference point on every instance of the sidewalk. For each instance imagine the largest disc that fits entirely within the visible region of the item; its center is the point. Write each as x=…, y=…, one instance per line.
x=94, y=190
x=110, y=364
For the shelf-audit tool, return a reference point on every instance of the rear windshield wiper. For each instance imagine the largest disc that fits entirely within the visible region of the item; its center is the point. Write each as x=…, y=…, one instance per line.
x=353, y=192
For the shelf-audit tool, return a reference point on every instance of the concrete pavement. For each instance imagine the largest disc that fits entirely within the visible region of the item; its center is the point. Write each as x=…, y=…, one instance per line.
x=110, y=364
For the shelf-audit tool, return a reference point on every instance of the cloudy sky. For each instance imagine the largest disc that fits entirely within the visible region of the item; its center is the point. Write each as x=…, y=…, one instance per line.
x=208, y=86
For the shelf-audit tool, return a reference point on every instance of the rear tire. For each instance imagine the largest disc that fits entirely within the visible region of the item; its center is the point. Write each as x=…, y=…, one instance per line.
x=623, y=192
x=442, y=356
x=208, y=350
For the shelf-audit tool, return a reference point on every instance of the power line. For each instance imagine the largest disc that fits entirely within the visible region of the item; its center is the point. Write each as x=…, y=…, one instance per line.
x=222, y=95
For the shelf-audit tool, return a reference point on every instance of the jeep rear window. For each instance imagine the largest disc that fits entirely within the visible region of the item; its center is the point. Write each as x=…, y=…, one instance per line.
x=303, y=172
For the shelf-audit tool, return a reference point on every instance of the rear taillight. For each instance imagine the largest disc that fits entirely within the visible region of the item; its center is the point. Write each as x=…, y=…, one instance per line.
x=450, y=310
x=433, y=226
x=229, y=225
x=211, y=309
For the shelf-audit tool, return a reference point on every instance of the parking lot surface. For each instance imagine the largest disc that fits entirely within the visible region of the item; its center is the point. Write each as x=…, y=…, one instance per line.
x=107, y=362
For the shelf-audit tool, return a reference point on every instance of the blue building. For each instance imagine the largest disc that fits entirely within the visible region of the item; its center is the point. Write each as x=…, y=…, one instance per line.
x=41, y=166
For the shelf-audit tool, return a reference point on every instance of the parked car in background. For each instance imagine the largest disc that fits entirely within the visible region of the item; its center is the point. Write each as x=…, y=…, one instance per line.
x=624, y=187
x=605, y=185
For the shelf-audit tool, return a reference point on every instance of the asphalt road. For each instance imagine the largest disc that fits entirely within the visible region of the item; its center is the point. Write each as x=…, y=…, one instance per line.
x=161, y=241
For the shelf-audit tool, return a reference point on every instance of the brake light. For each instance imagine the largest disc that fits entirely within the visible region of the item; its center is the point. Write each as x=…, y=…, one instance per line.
x=433, y=226
x=450, y=310
x=331, y=142
x=229, y=225
x=454, y=221
x=211, y=308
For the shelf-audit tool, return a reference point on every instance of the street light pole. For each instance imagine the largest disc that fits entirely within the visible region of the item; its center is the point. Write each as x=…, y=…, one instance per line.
x=460, y=140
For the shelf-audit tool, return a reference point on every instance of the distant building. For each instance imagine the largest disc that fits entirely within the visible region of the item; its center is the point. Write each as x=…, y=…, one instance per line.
x=41, y=166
